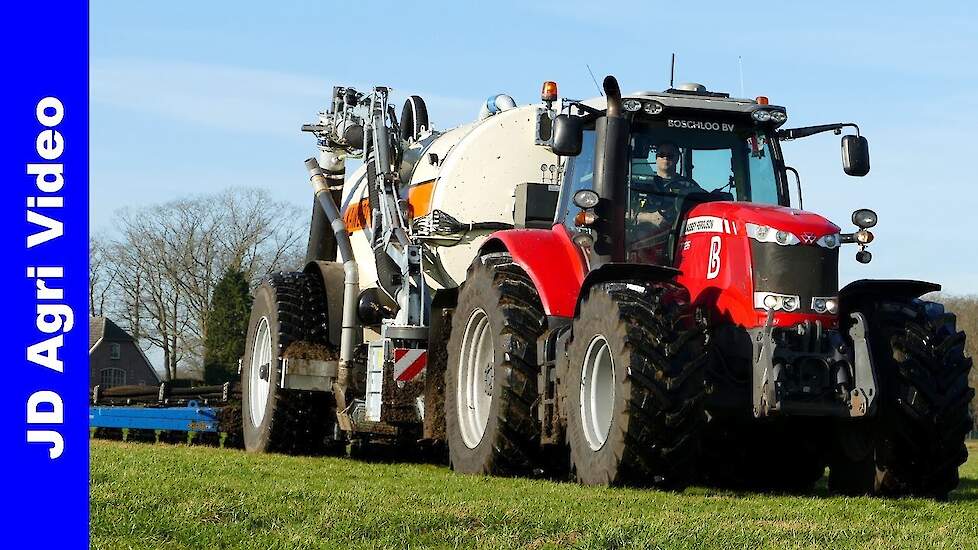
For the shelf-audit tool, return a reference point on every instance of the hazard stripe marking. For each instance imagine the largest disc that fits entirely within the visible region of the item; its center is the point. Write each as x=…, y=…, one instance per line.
x=408, y=363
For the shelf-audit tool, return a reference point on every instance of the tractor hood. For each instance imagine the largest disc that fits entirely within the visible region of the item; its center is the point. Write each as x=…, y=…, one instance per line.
x=806, y=226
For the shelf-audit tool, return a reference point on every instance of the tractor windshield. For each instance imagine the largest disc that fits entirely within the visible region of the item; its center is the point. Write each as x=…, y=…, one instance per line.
x=677, y=163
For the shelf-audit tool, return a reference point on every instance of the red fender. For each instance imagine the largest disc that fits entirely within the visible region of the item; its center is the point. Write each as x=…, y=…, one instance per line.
x=554, y=263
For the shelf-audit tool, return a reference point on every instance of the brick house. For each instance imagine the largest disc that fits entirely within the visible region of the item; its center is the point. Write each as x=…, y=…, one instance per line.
x=114, y=358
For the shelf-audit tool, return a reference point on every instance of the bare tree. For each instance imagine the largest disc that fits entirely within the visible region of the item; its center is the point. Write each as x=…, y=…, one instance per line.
x=103, y=272
x=169, y=258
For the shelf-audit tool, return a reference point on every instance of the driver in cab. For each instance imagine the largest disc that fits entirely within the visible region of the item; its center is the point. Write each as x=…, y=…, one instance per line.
x=655, y=203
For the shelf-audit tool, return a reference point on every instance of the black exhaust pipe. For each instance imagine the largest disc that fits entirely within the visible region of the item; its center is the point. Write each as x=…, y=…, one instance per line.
x=610, y=169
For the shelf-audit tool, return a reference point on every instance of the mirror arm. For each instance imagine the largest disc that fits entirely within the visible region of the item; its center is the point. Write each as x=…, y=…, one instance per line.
x=798, y=133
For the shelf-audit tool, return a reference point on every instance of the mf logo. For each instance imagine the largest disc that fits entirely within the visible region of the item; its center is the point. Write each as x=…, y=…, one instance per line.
x=809, y=238
x=713, y=268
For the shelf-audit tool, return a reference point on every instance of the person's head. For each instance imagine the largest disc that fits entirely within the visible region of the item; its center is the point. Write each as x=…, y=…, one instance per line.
x=666, y=157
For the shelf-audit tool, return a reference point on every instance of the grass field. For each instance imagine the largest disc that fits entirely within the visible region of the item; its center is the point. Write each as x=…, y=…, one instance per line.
x=161, y=496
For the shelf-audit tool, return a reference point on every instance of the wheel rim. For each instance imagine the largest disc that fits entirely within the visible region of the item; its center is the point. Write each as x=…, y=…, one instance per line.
x=597, y=392
x=259, y=376
x=473, y=393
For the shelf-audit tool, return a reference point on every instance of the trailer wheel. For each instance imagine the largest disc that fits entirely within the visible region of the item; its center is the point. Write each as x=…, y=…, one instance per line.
x=635, y=389
x=491, y=378
x=923, y=419
x=276, y=419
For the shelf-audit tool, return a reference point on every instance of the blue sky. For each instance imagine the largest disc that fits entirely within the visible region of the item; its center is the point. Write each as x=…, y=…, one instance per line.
x=191, y=97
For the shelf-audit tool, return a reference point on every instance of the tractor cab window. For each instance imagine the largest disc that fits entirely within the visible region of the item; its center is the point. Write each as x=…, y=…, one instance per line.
x=672, y=169
x=578, y=174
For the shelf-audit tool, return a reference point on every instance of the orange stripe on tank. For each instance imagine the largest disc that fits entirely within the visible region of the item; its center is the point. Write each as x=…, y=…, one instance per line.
x=357, y=215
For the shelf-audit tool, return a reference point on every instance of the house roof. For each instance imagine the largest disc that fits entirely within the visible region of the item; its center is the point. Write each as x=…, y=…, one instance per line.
x=102, y=328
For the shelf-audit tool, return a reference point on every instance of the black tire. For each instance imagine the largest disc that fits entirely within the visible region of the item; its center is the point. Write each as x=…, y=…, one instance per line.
x=510, y=443
x=658, y=355
x=923, y=418
x=414, y=118
x=293, y=421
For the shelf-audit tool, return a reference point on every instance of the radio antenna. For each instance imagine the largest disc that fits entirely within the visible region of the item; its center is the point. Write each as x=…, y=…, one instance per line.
x=595, y=80
x=672, y=71
x=740, y=63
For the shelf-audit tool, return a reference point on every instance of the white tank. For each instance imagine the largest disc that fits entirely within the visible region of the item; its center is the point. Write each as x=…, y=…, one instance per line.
x=469, y=172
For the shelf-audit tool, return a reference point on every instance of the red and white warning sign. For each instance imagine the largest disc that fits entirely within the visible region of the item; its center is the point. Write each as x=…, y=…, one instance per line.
x=408, y=363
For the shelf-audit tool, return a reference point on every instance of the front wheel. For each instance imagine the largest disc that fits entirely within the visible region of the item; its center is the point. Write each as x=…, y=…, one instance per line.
x=924, y=415
x=491, y=377
x=635, y=388
x=917, y=438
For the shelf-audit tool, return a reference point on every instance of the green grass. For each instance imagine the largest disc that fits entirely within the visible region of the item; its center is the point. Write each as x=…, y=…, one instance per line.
x=161, y=496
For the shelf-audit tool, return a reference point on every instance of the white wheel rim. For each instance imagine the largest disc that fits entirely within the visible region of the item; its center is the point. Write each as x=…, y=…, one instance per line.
x=473, y=393
x=259, y=379
x=597, y=392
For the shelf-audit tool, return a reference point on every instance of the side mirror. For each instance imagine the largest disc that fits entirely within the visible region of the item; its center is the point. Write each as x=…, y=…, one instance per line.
x=568, y=136
x=864, y=218
x=855, y=155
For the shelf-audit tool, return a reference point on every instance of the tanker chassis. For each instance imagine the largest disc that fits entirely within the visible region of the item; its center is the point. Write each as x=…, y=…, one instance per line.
x=615, y=290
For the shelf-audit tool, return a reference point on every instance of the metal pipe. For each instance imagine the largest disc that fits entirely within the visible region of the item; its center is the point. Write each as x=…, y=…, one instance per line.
x=351, y=277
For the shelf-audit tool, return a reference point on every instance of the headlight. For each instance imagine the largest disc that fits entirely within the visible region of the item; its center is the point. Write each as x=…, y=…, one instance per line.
x=652, y=107
x=631, y=105
x=586, y=198
x=779, y=117
x=775, y=301
x=761, y=115
x=829, y=241
x=765, y=234
x=825, y=305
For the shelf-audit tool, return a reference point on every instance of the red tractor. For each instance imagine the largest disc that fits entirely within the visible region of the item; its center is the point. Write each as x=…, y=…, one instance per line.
x=681, y=322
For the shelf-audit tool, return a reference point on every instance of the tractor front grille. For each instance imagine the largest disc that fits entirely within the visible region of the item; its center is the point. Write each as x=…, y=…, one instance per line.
x=805, y=271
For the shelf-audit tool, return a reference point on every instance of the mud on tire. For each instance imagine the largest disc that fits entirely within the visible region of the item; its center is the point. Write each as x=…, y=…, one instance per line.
x=649, y=429
x=288, y=308
x=491, y=385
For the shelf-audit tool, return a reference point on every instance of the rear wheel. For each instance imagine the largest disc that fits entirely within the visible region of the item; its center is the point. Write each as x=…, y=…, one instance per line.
x=635, y=387
x=491, y=378
x=275, y=419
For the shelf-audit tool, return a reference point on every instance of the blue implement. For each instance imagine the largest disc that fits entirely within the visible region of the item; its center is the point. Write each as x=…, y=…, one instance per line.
x=191, y=418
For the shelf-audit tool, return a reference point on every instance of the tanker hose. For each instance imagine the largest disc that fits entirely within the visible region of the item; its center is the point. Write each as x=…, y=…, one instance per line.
x=350, y=275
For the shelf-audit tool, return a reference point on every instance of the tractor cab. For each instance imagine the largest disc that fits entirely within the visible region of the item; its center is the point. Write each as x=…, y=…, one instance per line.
x=671, y=166
x=682, y=147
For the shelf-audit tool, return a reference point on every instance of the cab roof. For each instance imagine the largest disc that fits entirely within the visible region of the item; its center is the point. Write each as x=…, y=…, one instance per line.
x=700, y=99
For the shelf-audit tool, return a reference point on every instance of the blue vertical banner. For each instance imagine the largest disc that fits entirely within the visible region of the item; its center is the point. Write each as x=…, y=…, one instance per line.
x=44, y=165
